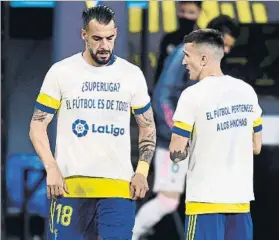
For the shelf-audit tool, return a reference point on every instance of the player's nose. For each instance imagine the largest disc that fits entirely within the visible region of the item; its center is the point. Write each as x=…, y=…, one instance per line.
x=104, y=44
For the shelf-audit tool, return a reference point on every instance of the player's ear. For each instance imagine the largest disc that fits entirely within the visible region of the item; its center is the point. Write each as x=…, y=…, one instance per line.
x=204, y=60
x=83, y=34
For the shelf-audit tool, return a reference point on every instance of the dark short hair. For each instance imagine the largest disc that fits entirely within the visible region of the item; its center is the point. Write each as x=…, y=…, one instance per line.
x=225, y=25
x=198, y=3
x=102, y=14
x=205, y=36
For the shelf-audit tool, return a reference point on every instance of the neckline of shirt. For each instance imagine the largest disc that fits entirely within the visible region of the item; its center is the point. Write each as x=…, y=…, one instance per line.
x=110, y=65
x=214, y=77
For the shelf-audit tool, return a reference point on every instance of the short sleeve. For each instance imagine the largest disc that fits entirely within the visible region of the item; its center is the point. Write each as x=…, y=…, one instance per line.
x=184, y=116
x=49, y=97
x=140, y=99
x=258, y=122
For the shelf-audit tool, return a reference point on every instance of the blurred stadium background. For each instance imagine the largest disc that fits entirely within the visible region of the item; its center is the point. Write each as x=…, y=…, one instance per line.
x=36, y=34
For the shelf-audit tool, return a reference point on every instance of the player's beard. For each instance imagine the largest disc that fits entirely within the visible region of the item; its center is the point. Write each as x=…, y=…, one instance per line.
x=98, y=60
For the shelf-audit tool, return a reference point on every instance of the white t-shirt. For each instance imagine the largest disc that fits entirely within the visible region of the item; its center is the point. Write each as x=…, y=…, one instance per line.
x=93, y=121
x=223, y=111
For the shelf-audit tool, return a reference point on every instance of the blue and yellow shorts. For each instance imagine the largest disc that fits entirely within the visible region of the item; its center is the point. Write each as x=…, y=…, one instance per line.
x=89, y=218
x=219, y=226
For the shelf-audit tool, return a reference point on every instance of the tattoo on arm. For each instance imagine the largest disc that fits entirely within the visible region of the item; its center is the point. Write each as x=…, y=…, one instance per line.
x=147, y=147
x=146, y=119
x=147, y=138
x=178, y=148
x=178, y=155
x=39, y=115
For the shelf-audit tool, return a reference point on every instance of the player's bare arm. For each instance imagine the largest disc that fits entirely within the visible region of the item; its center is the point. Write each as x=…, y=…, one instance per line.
x=147, y=135
x=178, y=148
x=39, y=138
x=38, y=135
x=257, y=142
x=147, y=144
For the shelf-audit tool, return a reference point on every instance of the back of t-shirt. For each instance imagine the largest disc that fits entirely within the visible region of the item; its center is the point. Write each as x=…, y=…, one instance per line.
x=220, y=113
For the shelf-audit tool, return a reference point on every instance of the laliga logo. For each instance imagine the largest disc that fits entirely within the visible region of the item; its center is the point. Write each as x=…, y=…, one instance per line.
x=80, y=129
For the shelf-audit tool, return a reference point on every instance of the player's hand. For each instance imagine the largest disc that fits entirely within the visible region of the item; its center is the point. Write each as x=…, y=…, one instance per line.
x=139, y=186
x=56, y=185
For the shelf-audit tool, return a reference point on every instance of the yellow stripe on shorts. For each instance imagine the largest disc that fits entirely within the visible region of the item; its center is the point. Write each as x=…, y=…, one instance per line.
x=191, y=230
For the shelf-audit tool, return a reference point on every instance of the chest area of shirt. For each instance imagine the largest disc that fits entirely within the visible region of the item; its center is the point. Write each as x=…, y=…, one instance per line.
x=98, y=92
